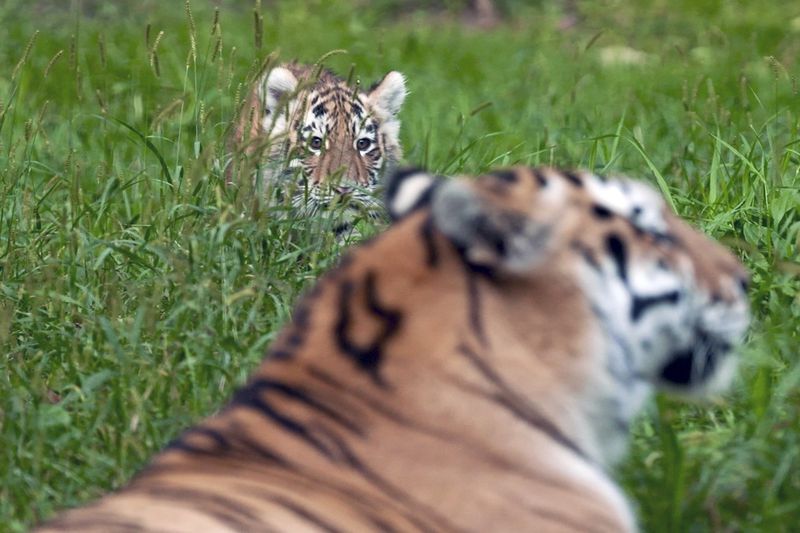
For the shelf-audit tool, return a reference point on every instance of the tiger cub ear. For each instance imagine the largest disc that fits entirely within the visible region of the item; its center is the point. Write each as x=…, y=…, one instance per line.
x=278, y=85
x=388, y=94
x=488, y=235
x=407, y=190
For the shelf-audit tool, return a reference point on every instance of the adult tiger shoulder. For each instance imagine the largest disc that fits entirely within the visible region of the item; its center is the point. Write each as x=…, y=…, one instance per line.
x=473, y=368
x=306, y=129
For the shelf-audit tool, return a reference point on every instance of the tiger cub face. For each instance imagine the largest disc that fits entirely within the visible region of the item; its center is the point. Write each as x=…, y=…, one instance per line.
x=326, y=142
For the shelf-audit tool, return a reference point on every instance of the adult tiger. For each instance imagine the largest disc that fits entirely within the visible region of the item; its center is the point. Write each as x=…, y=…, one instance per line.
x=474, y=368
x=324, y=141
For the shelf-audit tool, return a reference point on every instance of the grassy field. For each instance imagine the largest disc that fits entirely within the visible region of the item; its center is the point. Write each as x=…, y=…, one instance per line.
x=136, y=290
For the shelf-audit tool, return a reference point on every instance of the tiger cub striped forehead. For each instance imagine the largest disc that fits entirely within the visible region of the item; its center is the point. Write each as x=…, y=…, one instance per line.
x=340, y=112
x=332, y=128
x=342, y=120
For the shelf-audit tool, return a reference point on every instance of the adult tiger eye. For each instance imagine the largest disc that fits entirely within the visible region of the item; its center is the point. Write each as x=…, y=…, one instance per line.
x=316, y=143
x=363, y=143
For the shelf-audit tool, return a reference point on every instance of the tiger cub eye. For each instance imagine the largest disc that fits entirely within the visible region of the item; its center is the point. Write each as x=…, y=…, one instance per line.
x=363, y=143
x=315, y=143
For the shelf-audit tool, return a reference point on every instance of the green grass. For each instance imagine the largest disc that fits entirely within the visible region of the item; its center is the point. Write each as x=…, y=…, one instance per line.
x=136, y=290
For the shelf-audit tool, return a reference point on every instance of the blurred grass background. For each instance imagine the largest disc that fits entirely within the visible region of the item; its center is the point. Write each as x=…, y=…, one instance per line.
x=136, y=290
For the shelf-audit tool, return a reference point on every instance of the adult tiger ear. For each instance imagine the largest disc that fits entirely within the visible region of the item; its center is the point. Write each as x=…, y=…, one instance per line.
x=408, y=189
x=489, y=235
x=277, y=88
x=388, y=94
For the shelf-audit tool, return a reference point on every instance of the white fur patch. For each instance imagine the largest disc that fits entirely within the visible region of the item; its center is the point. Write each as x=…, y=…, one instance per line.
x=280, y=82
x=588, y=475
x=409, y=192
x=390, y=94
x=634, y=200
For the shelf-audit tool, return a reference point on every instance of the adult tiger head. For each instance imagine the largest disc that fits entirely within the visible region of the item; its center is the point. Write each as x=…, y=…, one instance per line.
x=669, y=303
x=326, y=141
x=473, y=368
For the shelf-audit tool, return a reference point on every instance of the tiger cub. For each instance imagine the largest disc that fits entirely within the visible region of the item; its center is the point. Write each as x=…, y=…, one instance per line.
x=474, y=368
x=318, y=137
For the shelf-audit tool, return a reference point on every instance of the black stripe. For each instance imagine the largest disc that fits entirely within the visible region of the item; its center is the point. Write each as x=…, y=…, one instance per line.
x=393, y=185
x=250, y=398
x=539, y=175
x=436, y=432
x=416, y=512
x=665, y=238
x=381, y=409
x=573, y=178
x=474, y=306
x=221, y=444
x=616, y=248
x=234, y=443
x=294, y=340
x=384, y=410
x=260, y=450
x=487, y=271
x=256, y=395
x=368, y=357
x=642, y=303
x=506, y=176
x=261, y=387
x=371, y=506
x=586, y=253
x=325, y=91
x=517, y=405
x=431, y=252
x=222, y=508
x=601, y=211
x=304, y=513
x=278, y=354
